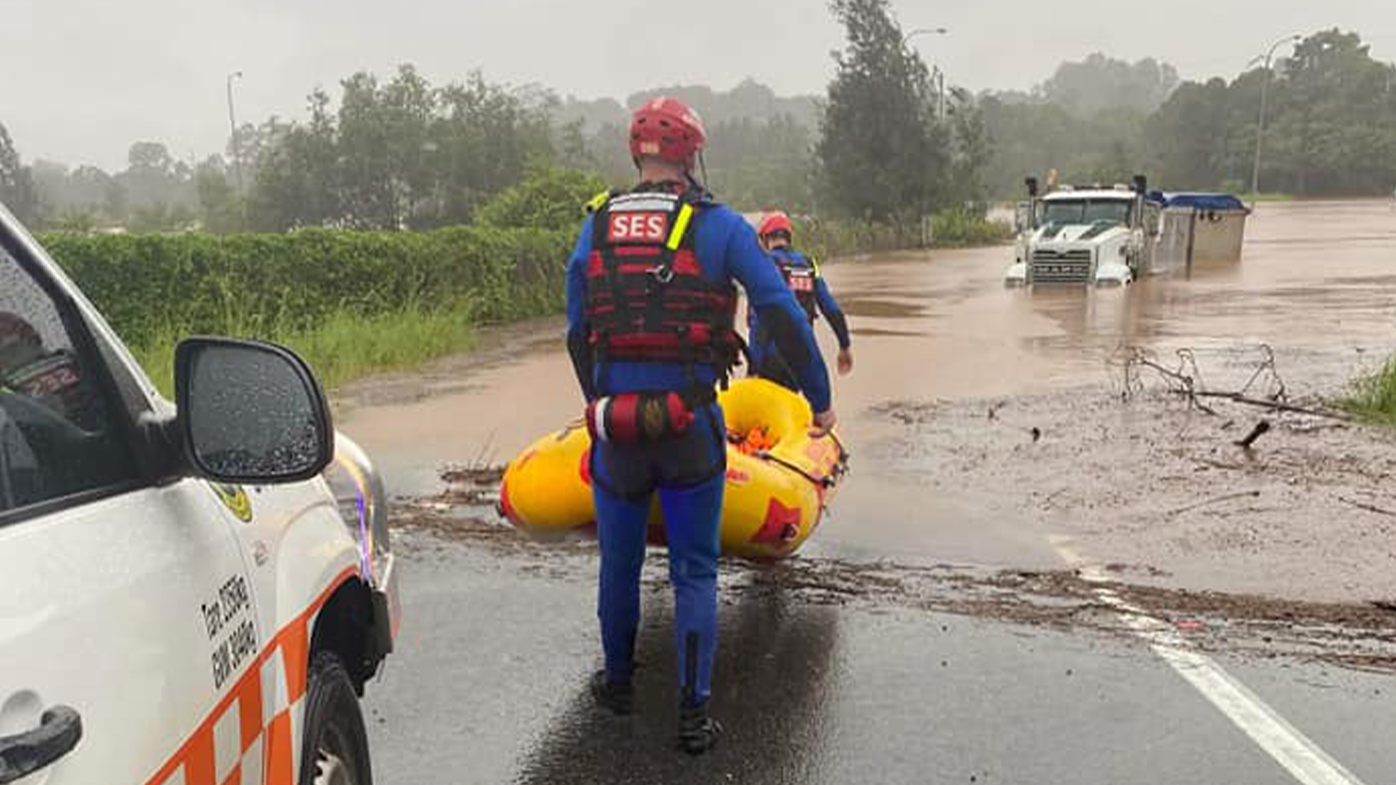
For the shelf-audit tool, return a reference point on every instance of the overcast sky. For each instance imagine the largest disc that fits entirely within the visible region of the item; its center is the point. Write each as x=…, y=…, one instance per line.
x=81, y=79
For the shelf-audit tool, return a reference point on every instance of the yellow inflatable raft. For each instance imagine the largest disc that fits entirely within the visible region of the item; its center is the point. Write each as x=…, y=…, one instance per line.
x=778, y=478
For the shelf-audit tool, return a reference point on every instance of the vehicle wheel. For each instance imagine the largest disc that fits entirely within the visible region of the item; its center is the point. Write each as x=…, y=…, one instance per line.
x=335, y=751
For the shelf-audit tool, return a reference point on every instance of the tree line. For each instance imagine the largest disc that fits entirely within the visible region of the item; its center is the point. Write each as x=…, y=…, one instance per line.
x=1330, y=124
x=880, y=145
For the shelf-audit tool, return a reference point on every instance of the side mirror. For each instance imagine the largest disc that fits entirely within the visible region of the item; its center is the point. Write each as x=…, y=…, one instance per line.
x=250, y=412
x=1022, y=217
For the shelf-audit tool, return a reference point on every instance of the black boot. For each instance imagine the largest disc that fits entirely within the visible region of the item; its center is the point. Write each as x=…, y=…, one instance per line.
x=616, y=697
x=697, y=731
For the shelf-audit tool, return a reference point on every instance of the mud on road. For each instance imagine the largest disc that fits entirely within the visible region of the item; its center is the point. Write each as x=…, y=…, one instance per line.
x=1304, y=512
x=1353, y=634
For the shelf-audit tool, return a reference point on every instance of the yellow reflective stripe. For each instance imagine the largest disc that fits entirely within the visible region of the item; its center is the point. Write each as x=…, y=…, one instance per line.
x=598, y=201
x=680, y=226
x=813, y=262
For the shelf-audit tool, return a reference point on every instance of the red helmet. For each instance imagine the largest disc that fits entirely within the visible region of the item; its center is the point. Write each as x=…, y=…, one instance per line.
x=773, y=222
x=666, y=128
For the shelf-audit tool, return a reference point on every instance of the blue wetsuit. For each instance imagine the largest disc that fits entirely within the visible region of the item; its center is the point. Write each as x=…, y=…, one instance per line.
x=689, y=472
x=765, y=357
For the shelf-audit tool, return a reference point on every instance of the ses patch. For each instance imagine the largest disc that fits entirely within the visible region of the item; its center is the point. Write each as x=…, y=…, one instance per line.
x=637, y=227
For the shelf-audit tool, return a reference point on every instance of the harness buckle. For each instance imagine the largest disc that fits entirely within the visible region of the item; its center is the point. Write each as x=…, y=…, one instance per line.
x=662, y=273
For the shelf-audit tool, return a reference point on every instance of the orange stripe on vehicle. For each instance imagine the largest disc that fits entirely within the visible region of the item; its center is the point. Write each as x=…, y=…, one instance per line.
x=250, y=706
x=198, y=746
x=296, y=655
x=235, y=777
x=198, y=766
x=279, y=749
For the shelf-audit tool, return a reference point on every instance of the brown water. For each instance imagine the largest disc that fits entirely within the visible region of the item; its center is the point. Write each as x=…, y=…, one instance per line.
x=1317, y=282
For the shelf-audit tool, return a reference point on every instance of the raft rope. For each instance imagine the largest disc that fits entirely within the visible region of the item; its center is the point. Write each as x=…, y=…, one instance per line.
x=823, y=482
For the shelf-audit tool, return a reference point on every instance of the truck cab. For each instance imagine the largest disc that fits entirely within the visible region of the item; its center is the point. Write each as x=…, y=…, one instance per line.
x=1095, y=235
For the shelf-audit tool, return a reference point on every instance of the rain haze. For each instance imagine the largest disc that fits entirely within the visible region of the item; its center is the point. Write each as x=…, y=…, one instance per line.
x=992, y=391
x=88, y=77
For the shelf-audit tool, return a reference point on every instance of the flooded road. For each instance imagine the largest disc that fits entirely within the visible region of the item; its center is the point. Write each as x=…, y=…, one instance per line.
x=1317, y=278
x=1016, y=579
x=1317, y=283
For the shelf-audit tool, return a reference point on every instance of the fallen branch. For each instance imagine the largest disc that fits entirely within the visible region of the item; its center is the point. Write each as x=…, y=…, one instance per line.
x=1261, y=428
x=1216, y=500
x=1278, y=406
x=1368, y=507
x=1180, y=382
x=1268, y=365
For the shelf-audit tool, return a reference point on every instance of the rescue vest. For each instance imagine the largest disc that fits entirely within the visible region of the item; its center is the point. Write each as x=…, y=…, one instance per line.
x=801, y=280
x=647, y=297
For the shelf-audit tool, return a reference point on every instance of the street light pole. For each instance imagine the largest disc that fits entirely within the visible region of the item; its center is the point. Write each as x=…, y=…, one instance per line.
x=233, y=131
x=937, y=76
x=1260, y=124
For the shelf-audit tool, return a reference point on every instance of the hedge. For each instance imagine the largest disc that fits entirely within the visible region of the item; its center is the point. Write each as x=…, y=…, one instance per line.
x=153, y=286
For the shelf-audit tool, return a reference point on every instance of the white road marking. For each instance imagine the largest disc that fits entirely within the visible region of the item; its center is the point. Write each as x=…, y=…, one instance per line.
x=1290, y=748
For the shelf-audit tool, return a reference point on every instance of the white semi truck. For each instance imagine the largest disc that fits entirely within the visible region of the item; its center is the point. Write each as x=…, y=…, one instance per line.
x=1103, y=236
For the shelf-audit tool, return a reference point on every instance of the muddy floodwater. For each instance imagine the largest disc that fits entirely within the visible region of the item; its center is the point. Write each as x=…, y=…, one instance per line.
x=1048, y=564
x=988, y=425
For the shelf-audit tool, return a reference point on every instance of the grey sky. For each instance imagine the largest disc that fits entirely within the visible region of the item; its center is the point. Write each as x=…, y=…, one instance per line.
x=84, y=78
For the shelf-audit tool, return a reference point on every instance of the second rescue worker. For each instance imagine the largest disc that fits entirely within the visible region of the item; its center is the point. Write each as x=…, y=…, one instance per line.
x=802, y=276
x=651, y=305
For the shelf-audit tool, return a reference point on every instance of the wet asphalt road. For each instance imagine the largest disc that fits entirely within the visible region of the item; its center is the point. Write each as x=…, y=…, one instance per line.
x=488, y=687
x=488, y=684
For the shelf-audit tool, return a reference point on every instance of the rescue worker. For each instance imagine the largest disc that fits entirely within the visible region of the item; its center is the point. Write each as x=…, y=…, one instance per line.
x=651, y=311
x=47, y=377
x=801, y=274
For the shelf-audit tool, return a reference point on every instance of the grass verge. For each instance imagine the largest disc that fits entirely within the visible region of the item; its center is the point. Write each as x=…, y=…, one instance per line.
x=346, y=346
x=963, y=229
x=1373, y=396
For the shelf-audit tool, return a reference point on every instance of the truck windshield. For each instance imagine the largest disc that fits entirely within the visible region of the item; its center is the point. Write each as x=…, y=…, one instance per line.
x=1086, y=211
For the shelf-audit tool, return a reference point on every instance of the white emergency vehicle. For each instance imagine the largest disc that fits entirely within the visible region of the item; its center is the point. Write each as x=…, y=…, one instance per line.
x=192, y=594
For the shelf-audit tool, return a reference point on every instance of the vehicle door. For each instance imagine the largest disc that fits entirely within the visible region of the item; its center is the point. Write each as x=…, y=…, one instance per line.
x=1153, y=231
x=123, y=604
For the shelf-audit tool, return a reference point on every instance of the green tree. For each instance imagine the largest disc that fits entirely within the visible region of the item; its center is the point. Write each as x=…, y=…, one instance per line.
x=155, y=180
x=1330, y=130
x=549, y=197
x=1101, y=82
x=17, y=190
x=219, y=206
x=1190, y=139
x=882, y=154
x=973, y=151
x=400, y=154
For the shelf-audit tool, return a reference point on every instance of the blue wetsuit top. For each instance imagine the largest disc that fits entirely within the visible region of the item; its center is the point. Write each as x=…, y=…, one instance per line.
x=727, y=250
x=824, y=298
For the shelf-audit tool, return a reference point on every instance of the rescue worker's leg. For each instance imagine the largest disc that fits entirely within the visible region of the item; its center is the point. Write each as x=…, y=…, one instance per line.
x=773, y=368
x=766, y=363
x=692, y=517
x=620, y=528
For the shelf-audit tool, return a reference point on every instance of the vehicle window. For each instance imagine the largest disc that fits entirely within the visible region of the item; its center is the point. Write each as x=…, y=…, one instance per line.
x=57, y=437
x=1115, y=211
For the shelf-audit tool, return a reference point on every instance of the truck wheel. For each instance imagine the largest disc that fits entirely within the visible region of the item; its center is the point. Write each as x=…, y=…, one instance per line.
x=335, y=751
